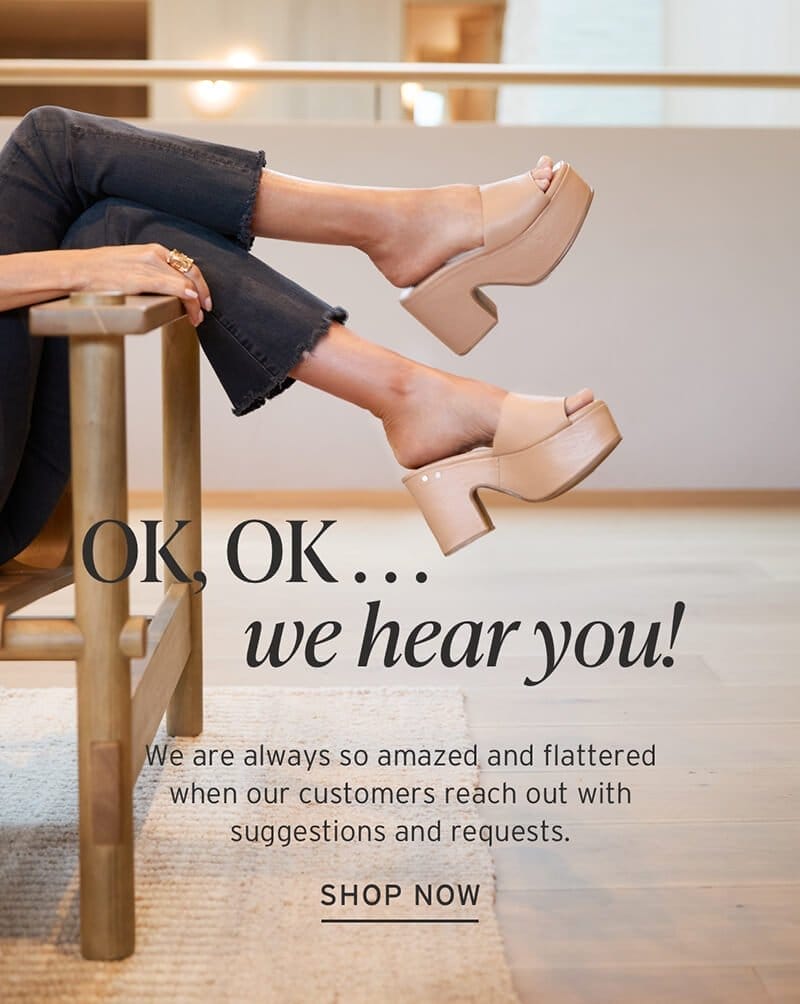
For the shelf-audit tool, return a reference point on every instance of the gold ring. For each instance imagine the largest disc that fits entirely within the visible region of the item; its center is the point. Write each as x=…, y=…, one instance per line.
x=179, y=261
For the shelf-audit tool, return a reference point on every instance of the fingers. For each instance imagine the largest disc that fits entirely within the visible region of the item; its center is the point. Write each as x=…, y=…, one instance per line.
x=191, y=302
x=187, y=293
x=191, y=293
x=200, y=285
x=174, y=283
x=191, y=286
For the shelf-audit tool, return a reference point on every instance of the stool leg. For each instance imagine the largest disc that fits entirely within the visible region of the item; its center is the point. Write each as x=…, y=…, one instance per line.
x=99, y=479
x=181, y=394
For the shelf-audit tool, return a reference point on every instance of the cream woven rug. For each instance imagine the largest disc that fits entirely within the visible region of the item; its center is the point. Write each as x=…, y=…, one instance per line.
x=240, y=922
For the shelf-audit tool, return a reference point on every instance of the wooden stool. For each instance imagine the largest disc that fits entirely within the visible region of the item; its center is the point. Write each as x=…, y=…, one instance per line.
x=129, y=669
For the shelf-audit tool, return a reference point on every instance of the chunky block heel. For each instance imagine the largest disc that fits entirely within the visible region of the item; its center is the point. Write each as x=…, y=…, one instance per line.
x=539, y=452
x=452, y=509
x=468, y=316
x=526, y=234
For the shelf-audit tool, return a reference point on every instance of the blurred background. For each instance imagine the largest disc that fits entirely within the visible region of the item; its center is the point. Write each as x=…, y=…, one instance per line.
x=678, y=302
x=657, y=34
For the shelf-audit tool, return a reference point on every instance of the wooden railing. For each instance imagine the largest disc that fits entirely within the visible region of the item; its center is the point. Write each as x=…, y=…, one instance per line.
x=130, y=71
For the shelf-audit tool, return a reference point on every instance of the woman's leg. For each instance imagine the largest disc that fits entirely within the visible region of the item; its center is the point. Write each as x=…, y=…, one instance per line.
x=261, y=323
x=407, y=232
x=60, y=162
x=265, y=331
x=54, y=166
x=36, y=461
x=20, y=355
x=260, y=327
x=427, y=414
x=57, y=163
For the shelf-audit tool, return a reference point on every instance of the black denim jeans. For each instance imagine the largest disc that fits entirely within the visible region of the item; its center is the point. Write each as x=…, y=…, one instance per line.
x=71, y=180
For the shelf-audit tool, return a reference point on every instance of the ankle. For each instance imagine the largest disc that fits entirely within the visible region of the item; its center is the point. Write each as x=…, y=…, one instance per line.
x=467, y=199
x=410, y=232
x=434, y=415
x=401, y=389
x=383, y=221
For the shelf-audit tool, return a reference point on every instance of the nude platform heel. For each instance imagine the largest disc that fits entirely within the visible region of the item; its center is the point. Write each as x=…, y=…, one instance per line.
x=526, y=233
x=539, y=452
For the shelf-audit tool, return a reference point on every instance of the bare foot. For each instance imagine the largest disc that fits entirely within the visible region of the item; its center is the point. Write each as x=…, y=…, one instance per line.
x=422, y=228
x=437, y=415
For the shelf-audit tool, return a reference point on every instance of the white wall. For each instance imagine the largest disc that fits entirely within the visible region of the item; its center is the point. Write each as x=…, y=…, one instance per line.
x=678, y=304
x=724, y=35
x=575, y=33
x=734, y=37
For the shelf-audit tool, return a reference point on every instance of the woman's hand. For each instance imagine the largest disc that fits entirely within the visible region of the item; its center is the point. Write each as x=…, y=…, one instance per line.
x=30, y=277
x=140, y=268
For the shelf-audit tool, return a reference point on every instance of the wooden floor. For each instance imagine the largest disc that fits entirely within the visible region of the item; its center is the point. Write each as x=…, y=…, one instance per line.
x=692, y=892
